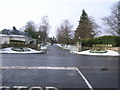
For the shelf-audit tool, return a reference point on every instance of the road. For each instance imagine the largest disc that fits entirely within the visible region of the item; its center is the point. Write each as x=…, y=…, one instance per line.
x=91, y=68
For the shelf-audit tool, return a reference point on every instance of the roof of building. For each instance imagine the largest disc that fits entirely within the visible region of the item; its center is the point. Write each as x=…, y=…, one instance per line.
x=14, y=32
x=4, y=35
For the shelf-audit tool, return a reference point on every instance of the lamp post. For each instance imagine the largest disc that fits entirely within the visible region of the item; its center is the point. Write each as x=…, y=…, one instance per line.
x=80, y=45
x=38, y=44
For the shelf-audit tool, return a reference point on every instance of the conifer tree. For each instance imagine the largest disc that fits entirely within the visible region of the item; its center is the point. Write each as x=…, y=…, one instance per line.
x=86, y=27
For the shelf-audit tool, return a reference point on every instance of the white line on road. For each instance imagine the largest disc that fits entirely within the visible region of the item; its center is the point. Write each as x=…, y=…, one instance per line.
x=86, y=81
x=37, y=67
x=48, y=67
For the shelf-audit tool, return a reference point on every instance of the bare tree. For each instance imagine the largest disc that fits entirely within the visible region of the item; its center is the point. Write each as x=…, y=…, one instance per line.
x=44, y=28
x=30, y=29
x=113, y=20
x=95, y=27
x=64, y=32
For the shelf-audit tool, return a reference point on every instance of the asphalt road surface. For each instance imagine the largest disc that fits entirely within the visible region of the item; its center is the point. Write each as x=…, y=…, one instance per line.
x=59, y=68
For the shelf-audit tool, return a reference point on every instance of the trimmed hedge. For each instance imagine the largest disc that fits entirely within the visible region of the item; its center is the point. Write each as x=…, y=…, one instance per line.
x=17, y=41
x=114, y=40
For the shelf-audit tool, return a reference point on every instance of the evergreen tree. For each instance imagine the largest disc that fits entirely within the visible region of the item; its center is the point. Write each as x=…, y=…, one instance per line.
x=86, y=27
x=84, y=16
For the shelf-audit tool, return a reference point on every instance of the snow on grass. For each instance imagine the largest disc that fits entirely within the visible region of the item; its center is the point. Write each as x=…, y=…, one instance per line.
x=43, y=47
x=73, y=49
x=22, y=50
x=87, y=52
x=68, y=47
x=9, y=50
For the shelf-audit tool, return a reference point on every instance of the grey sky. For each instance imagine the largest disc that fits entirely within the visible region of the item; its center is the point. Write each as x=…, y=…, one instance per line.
x=18, y=12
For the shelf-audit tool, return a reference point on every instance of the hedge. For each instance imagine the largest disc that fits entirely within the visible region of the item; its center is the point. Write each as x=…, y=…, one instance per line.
x=114, y=40
x=17, y=41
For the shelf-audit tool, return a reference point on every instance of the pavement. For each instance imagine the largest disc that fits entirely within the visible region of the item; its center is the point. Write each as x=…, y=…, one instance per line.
x=54, y=69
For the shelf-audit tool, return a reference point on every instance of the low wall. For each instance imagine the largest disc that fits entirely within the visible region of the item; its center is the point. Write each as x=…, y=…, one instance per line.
x=113, y=48
x=35, y=47
x=106, y=48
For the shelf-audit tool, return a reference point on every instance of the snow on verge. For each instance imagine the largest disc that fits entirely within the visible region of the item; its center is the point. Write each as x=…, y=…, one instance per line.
x=43, y=47
x=86, y=52
x=9, y=50
x=68, y=47
x=109, y=53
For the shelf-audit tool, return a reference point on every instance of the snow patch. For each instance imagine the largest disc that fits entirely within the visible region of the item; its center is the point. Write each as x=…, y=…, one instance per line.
x=9, y=50
x=108, y=53
x=43, y=47
x=73, y=49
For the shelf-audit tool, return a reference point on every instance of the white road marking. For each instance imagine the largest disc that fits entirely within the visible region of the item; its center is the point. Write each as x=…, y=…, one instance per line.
x=48, y=67
x=37, y=67
x=86, y=81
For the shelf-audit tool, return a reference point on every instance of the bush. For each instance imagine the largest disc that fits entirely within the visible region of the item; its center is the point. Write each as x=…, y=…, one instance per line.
x=87, y=42
x=20, y=49
x=17, y=41
x=114, y=40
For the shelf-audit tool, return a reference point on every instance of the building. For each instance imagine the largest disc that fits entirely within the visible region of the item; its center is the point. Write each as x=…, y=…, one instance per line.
x=8, y=36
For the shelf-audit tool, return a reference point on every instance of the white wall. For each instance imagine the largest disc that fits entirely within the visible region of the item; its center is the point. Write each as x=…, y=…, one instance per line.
x=18, y=38
x=4, y=39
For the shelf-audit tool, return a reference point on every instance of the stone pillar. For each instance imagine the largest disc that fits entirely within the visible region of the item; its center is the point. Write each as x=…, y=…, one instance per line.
x=79, y=46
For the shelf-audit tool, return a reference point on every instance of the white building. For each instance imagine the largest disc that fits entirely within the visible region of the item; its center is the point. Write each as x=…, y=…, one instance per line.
x=4, y=39
x=8, y=36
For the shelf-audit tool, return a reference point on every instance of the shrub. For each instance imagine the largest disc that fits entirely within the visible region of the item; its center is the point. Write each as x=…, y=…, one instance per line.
x=87, y=42
x=114, y=40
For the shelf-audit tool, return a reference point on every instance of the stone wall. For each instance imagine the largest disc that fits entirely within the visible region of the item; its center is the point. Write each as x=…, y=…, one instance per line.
x=106, y=48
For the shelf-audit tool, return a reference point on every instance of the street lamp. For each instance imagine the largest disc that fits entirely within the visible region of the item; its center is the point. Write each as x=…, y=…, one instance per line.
x=39, y=37
x=80, y=44
x=80, y=41
x=38, y=44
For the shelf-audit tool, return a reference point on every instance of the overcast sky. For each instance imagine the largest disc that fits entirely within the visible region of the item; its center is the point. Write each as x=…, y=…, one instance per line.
x=18, y=12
